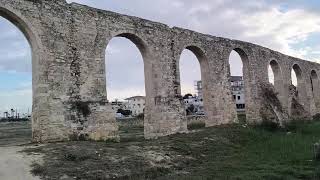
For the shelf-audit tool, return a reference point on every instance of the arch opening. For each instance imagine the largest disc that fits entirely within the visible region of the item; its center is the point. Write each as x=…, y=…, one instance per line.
x=192, y=81
x=314, y=81
x=238, y=63
x=298, y=100
x=18, y=58
x=270, y=75
x=127, y=73
x=296, y=76
x=275, y=75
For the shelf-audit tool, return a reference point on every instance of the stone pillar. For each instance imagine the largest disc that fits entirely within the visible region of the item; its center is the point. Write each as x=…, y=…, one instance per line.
x=166, y=114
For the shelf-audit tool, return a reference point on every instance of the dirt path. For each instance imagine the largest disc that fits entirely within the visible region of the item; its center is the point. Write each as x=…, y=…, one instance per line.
x=15, y=165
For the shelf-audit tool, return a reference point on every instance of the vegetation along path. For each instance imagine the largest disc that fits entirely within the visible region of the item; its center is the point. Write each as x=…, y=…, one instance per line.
x=226, y=152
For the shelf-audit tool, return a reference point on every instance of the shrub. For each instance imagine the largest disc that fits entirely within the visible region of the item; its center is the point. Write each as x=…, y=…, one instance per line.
x=269, y=125
x=316, y=151
x=196, y=125
x=316, y=117
x=140, y=116
x=295, y=125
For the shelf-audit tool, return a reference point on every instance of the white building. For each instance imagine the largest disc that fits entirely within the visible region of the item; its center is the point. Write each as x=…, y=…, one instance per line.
x=198, y=88
x=117, y=105
x=135, y=104
x=237, y=85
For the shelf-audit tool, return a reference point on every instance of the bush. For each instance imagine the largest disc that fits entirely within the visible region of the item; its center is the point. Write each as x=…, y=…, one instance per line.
x=269, y=125
x=291, y=126
x=196, y=125
x=242, y=118
x=295, y=125
x=140, y=116
x=316, y=117
x=316, y=151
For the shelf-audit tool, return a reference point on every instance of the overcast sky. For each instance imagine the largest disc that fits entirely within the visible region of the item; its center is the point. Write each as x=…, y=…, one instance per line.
x=289, y=26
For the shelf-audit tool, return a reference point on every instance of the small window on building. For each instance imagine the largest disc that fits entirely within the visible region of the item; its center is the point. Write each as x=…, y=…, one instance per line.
x=234, y=97
x=239, y=97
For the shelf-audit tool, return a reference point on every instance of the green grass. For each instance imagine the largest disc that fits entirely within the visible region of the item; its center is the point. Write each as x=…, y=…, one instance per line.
x=257, y=153
x=222, y=153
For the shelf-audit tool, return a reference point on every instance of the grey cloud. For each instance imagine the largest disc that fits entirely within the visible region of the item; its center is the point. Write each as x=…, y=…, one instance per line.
x=125, y=65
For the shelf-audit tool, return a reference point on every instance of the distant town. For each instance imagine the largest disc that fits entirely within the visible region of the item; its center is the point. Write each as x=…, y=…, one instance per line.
x=14, y=115
x=135, y=106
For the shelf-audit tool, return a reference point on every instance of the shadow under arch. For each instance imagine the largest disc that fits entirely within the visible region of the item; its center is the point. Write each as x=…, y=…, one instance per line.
x=296, y=68
x=203, y=62
x=315, y=89
x=314, y=80
x=198, y=52
x=35, y=44
x=277, y=73
x=300, y=105
x=141, y=45
x=243, y=55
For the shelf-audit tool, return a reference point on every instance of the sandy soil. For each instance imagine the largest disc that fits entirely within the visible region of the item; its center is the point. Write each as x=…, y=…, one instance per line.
x=15, y=165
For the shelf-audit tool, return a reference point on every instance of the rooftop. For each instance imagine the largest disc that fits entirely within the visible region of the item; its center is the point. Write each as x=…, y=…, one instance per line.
x=135, y=97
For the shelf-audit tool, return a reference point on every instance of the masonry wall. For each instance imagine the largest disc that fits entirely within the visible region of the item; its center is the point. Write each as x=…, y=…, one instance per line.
x=69, y=75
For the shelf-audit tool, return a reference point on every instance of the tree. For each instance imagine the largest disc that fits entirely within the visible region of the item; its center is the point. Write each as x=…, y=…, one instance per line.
x=190, y=109
x=12, y=113
x=124, y=112
x=187, y=96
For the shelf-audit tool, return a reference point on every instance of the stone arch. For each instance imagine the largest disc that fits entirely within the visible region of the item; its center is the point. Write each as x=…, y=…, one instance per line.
x=315, y=88
x=35, y=44
x=245, y=62
x=277, y=72
x=298, y=99
x=296, y=68
x=203, y=62
x=314, y=81
x=22, y=24
x=246, y=74
x=146, y=56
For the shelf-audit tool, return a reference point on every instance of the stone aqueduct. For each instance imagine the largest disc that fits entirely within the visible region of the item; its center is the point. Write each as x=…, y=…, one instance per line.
x=68, y=44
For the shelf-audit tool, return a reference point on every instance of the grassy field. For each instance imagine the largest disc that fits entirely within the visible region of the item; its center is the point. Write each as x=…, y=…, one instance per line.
x=227, y=152
x=15, y=133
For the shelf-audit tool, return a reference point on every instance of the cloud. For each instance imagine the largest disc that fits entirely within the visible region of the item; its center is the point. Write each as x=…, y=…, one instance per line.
x=15, y=52
x=262, y=22
x=283, y=25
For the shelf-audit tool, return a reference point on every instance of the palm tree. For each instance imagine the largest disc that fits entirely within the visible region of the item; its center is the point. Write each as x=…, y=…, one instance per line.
x=12, y=113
